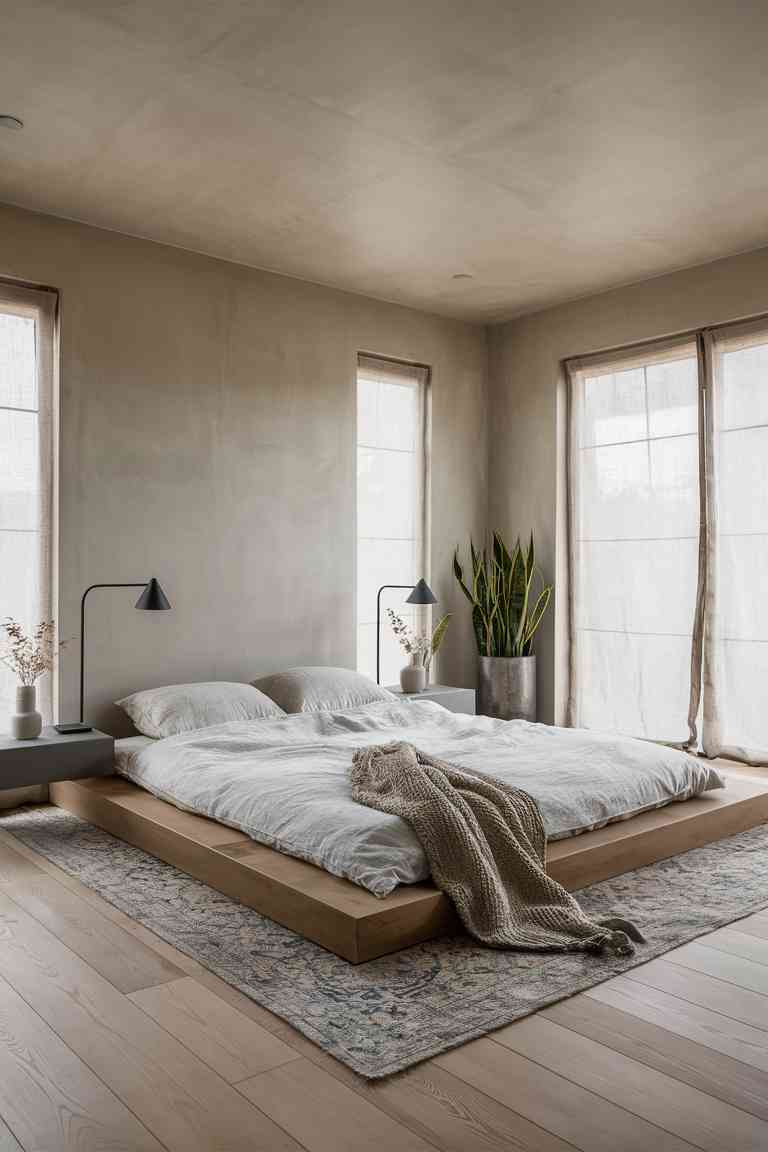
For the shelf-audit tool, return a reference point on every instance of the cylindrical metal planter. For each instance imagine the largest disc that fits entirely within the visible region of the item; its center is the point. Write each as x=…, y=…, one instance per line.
x=507, y=687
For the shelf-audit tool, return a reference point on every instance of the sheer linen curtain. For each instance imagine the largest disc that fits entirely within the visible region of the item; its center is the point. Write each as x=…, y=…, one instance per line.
x=27, y=365
x=736, y=627
x=634, y=528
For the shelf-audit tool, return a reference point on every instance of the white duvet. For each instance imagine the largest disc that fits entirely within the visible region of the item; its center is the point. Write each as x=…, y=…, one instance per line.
x=285, y=782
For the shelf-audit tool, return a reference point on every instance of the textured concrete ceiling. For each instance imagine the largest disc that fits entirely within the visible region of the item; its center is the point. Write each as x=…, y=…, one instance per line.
x=551, y=148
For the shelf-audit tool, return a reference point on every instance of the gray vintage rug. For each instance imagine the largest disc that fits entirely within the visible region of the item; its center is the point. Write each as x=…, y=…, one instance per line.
x=383, y=1016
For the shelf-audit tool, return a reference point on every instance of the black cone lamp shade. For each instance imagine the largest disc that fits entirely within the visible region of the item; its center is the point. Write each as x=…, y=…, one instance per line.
x=421, y=593
x=153, y=599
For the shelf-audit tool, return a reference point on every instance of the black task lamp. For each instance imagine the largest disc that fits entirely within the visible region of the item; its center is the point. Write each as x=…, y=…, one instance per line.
x=152, y=599
x=421, y=594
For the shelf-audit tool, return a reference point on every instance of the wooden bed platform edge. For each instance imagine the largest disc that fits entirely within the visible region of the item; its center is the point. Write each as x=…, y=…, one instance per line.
x=347, y=919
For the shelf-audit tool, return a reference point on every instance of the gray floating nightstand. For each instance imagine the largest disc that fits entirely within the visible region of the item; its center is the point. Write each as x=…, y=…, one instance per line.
x=454, y=699
x=24, y=763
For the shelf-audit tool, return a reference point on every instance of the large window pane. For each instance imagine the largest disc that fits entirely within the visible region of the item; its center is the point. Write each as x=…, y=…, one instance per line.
x=386, y=494
x=614, y=408
x=634, y=539
x=635, y=684
x=639, y=586
x=645, y=489
x=742, y=480
x=18, y=375
x=19, y=474
x=670, y=388
x=745, y=392
x=398, y=559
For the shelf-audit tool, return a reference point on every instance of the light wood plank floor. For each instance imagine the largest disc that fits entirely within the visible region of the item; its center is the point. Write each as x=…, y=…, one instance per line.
x=111, y=1039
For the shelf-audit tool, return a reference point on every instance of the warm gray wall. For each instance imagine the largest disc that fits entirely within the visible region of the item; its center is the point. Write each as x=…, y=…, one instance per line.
x=527, y=448
x=208, y=438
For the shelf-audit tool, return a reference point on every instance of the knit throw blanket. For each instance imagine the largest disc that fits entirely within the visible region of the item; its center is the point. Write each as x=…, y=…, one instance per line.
x=485, y=843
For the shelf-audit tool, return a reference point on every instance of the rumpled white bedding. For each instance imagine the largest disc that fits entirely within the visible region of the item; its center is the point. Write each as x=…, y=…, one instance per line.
x=285, y=782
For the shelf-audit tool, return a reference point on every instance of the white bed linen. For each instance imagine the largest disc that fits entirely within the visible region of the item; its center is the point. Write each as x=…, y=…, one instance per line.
x=285, y=782
x=126, y=746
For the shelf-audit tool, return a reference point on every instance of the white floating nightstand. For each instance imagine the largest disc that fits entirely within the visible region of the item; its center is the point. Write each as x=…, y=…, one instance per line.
x=454, y=699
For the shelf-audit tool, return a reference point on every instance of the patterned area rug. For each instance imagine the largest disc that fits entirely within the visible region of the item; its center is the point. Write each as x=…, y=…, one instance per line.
x=383, y=1016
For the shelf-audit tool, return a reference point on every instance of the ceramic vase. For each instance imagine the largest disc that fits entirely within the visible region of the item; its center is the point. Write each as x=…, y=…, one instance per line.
x=413, y=678
x=26, y=722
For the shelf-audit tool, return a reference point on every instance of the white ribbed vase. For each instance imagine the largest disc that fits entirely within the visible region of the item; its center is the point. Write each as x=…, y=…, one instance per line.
x=26, y=722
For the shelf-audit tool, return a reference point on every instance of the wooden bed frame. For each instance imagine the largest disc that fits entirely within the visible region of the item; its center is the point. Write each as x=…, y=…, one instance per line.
x=347, y=919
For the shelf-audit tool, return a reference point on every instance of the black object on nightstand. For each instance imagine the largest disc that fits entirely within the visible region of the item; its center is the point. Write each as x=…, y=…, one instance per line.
x=52, y=756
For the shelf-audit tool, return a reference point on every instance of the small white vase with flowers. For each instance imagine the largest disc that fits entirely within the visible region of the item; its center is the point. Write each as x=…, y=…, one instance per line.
x=421, y=647
x=29, y=657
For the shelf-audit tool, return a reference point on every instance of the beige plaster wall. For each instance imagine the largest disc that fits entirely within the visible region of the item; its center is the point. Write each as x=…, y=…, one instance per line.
x=208, y=438
x=527, y=446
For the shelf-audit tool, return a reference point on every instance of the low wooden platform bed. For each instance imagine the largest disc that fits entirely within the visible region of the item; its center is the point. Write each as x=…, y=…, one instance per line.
x=255, y=799
x=348, y=920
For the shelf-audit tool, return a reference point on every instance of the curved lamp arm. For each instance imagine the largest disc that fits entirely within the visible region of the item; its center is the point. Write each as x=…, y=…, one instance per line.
x=155, y=600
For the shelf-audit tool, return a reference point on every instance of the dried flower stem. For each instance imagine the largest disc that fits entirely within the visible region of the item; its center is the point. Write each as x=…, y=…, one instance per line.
x=30, y=656
x=420, y=646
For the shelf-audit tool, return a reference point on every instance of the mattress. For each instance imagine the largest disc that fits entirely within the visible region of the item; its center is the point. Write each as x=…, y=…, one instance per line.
x=285, y=782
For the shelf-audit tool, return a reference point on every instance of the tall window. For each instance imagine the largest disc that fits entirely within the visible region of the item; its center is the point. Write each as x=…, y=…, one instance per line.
x=391, y=501
x=26, y=468
x=635, y=528
x=736, y=624
x=669, y=541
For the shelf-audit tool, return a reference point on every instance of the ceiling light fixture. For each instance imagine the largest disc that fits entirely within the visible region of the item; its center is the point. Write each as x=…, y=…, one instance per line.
x=11, y=122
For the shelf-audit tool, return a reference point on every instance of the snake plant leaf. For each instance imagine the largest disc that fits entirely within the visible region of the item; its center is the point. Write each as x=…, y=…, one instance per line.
x=530, y=561
x=439, y=632
x=459, y=574
x=477, y=625
x=539, y=609
x=518, y=594
x=500, y=553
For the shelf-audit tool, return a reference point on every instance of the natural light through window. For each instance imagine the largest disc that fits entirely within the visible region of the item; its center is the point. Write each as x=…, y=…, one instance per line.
x=391, y=480
x=736, y=664
x=25, y=470
x=635, y=541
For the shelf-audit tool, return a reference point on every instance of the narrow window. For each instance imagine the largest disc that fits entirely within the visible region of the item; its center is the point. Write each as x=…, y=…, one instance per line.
x=26, y=471
x=392, y=503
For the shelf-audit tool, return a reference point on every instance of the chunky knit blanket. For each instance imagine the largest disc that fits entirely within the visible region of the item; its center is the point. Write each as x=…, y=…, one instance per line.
x=485, y=843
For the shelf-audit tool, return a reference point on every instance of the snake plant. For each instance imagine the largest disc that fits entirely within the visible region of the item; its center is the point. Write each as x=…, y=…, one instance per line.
x=506, y=609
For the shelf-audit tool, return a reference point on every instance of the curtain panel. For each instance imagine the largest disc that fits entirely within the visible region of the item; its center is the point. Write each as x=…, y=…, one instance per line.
x=668, y=540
